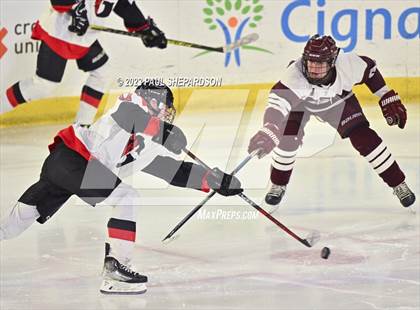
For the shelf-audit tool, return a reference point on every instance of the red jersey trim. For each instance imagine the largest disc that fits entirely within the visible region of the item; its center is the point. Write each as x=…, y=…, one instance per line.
x=153, y=126
x=62, y=8
x=69, y=138
x=64, y=49
x=204, y=184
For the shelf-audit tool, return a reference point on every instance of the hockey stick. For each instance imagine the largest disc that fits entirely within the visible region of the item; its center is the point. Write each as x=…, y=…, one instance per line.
x=308, y=242
x=203, y=202
x=223, y=49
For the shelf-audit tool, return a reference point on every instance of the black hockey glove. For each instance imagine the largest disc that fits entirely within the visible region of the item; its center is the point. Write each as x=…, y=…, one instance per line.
x=223, y=183
x=152, y=36
x=79, y=21
x=171, y=137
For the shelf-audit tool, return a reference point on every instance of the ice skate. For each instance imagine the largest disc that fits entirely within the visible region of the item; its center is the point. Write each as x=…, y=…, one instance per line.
x=404, y=194
x=273, y=197
x=119, y=278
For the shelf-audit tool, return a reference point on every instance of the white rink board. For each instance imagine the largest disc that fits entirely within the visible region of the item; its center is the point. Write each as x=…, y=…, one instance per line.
x=280, y=26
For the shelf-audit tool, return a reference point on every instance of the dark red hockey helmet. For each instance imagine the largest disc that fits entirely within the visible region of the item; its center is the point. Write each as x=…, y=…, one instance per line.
x=319, y=49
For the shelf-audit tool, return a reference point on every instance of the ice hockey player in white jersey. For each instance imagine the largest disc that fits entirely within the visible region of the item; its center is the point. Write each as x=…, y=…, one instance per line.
x=87, y=161
x=320, y=83
x=65, y=35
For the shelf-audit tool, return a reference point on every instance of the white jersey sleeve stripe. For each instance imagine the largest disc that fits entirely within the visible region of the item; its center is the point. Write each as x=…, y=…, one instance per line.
x=282, y=153
x=273, y=98
x=278, y=108
x=281, y=166
x=283, y=160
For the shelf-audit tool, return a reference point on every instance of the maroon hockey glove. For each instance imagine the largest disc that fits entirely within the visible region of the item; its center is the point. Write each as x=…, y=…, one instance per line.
x=79, y=21
x=265, y=140
x=223, y=183
x=393, y=109
x=152, y=36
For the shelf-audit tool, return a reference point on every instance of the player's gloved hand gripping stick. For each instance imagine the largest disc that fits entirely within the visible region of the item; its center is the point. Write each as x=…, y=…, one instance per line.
x=312, y=238
x=211, y=194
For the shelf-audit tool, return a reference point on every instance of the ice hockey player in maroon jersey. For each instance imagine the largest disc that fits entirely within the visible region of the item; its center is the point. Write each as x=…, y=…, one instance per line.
x=65, y=35
x=88, y=162
x=320, y=83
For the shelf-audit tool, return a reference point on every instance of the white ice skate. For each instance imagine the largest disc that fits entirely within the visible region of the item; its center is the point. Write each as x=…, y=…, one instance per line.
x=119, y=278
x=404, y=194
x=273, y=197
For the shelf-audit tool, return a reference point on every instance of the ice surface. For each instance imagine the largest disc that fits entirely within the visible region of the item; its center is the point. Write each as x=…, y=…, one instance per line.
x=245, y=263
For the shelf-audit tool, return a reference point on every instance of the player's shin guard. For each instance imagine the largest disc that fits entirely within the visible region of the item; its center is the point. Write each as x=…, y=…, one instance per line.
x=89, y=103
x=122, y=224
x=367, y=142
x=92, y=93
x=20, y=217
x=282, y=166
x=118, y=275
x=11, y=98
x=121, y=236
x=26, y=90
x=281, y=170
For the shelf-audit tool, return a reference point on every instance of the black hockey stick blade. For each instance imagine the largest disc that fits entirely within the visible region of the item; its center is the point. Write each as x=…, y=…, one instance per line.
x=283, y=227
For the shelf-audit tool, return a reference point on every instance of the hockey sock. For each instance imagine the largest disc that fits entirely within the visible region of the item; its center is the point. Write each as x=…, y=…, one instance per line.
x=282, y=166
x=91, y=96
x=122, y=224
x=20, y=217
x=367, y=142
x=122, y=235
x=12, y=98
x=89, y=102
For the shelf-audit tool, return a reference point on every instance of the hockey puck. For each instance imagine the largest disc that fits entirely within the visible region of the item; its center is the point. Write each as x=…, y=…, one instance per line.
x=325, y=253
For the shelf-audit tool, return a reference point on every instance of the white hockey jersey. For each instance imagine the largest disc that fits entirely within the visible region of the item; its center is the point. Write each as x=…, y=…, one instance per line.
x=294, y=89
x=52, y=27
x=106, y=141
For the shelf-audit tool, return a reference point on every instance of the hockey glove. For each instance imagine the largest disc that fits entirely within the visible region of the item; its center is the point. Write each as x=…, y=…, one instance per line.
x=171, y=137
x=223, y=183
x=152, y=36
x=265, y=140
x=393, y=109
x=79, y=21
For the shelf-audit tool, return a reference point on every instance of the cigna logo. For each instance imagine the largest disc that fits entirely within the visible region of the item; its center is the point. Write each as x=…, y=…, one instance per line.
x=233, y=18
x=3, y=48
